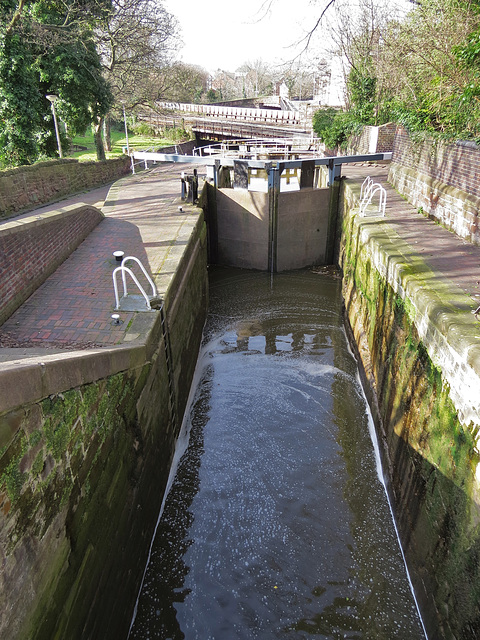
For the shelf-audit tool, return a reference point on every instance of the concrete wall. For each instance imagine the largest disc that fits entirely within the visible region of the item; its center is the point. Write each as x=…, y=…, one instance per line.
x=33, y=247
x=86, y=441
x=443, y=180
x=29, y=187
x=243, y=228
x=421, y=357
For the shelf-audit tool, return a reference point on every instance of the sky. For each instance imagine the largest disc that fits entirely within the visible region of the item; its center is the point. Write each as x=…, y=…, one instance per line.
x=221, y=34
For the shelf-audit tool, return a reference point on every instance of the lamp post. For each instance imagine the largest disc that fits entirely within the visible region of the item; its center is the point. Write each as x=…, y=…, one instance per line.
x=52, y=98
x=126, y=129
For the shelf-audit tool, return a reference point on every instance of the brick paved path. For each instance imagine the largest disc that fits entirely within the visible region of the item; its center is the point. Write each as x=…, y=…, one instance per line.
x=449, y=256
x=73, y=308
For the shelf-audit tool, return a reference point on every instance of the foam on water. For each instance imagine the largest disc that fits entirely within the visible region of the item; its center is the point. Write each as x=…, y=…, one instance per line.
x=277, y=521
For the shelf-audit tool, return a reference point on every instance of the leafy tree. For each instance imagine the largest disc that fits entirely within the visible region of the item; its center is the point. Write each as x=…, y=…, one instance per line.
x=20, y=103
x=334, y=127
x=46, y=47
x=427, y=60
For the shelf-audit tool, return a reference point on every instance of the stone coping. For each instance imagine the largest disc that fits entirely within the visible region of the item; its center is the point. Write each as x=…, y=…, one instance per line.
x=440, y=310
x=25, y=381
x=38, y=219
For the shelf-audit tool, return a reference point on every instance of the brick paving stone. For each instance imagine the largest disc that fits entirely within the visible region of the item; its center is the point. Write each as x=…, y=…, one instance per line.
x=73, y=307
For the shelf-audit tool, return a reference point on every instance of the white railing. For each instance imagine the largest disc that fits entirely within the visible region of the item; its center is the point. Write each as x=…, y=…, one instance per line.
x=124, y=271
x=279, y=116
x=367, y=192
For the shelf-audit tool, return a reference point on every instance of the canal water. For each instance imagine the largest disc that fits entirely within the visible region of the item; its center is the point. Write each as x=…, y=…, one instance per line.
x=277, y=524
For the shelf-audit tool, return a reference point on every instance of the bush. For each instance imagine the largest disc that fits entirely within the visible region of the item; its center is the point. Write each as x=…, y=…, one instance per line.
x=334, y=127
x=176, y=134
x=144, y=129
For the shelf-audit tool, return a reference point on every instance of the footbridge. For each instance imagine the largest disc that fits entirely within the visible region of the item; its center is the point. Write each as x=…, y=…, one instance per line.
x=219, y=122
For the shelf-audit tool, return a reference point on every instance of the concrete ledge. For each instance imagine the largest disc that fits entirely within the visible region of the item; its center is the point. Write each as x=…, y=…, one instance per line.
x=440, y=311
x=27, y=381
x=32, y=220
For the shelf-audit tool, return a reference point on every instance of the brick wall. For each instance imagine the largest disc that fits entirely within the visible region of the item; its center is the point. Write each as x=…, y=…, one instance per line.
x=32, y=248
x=25, y=188
x=372, y=139
x=441, y=179
x=386, y=137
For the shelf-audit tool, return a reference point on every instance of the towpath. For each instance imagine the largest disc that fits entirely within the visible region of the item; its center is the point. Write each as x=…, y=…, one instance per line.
x=449, y=257
x=73, y=308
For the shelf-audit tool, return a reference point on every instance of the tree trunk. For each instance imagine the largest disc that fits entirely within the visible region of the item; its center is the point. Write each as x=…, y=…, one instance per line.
x=97, y=135
x=106, y=133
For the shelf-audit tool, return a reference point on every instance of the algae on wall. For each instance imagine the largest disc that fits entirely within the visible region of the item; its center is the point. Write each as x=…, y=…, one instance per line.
x=430, y=455
x=83, y=472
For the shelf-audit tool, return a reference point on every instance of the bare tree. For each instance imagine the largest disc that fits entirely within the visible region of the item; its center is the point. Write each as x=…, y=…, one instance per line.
x=137, y=40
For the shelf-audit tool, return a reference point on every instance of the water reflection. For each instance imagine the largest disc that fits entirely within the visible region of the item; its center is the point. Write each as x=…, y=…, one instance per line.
x=276, y=524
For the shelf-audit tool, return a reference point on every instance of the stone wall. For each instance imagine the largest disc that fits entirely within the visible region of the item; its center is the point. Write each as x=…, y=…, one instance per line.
x=442, y=180
x=421, y=358
x=29, y=187
x=87, y=439
x=33, y=247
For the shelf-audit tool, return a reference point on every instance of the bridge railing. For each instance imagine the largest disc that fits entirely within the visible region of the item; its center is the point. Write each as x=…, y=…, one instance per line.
x=277, y=116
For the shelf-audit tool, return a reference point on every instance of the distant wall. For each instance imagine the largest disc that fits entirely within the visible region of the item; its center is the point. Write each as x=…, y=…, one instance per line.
x=373, y=139
x=443, y=180
x=33, y=247
x=29, y=187
x=236, y=113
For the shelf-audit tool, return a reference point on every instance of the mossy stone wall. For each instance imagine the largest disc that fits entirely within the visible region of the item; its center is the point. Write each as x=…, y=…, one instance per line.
x=429, y=446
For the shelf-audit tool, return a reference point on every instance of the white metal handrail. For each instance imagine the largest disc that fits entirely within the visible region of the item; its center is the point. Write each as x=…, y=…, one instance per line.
x=150, y=281
x=124, y=270
x=115, y=286
x=370, y=191
x=365, y=185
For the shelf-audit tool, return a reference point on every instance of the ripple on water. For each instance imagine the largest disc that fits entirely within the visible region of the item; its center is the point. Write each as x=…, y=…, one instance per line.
x=276, y=524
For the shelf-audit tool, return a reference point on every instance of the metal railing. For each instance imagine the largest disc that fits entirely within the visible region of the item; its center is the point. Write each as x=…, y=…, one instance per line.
x=124, y=271
x=367, y=191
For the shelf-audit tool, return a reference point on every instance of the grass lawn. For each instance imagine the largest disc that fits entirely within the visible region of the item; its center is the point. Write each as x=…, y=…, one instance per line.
x=118, y=142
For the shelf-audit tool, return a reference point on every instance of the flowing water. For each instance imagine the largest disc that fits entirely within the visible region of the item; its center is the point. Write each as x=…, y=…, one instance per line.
x=277, y=524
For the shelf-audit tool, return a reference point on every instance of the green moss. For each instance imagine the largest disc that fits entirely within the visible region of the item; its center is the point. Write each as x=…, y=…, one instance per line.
x=56, y=437
x=12, y=478
x=35, y=437
x=38, y=464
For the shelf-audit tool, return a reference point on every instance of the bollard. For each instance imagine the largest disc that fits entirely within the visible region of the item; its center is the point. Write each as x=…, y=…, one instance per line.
x=184, y=185
x=194, y=187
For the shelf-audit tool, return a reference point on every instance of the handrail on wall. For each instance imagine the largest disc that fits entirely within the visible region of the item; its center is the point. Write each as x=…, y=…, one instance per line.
x=367, y=191
x=124, y=270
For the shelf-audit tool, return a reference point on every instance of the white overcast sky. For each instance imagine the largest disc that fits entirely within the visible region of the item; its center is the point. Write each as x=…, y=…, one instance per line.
x=224, y=34
x=221, y=34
